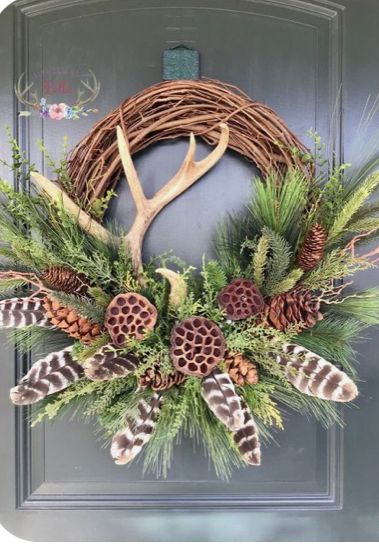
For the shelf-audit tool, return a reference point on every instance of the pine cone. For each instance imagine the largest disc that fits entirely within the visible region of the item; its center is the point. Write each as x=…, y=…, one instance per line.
x=297, y=306
x=154, y=379
x=241, y=370
x=65, y=280
x=67, y=320
x=313, y=248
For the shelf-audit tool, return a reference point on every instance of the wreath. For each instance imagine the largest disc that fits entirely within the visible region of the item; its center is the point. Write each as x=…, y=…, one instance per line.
x=154, y=350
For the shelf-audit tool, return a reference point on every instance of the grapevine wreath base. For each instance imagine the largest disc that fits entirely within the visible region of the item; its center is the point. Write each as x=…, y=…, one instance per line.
x=154, y=350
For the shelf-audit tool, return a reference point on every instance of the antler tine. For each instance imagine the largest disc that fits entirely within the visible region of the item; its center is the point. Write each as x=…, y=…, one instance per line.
x=20, y=94
x=147, y=209
x=55, y=192
x=94, y=90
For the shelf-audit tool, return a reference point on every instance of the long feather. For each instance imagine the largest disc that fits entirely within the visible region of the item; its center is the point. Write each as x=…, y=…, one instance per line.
x=22, y=312
x=220, y=395
x=107, y=364
x=53, y=373
x=247, y=438
x=128, y=442
x=315, y=376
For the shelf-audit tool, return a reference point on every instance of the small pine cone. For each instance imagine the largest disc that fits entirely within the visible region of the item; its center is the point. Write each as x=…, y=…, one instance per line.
x=67, y=320
x=297, y=306
x=313, y=248
x=241, y=370
x=154, y=379
x=65, y=280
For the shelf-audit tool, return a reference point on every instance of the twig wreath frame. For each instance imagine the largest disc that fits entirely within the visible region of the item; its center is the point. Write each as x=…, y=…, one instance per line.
x=174, y=109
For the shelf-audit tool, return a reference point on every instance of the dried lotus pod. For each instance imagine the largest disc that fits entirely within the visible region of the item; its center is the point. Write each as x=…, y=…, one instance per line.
x=129, y=315
x=241, y=299
x=197, y=346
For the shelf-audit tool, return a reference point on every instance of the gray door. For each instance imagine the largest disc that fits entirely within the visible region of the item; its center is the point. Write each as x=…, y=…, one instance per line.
x=57, y=483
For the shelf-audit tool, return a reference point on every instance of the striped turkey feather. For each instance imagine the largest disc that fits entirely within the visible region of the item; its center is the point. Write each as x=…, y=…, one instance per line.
x=315, y=376
x=22, y=312
x=48, y=375
x=108, y=364
x=219, y=393
x=128, y=442
x=247, y=438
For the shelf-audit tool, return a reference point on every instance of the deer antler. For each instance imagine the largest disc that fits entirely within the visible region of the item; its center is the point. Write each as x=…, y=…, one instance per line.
x=147, y=209
x=21, y=93
x=94, y=90
x=58, y=195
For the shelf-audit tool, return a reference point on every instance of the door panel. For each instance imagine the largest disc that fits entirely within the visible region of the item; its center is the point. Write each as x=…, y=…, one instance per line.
x=289, y=54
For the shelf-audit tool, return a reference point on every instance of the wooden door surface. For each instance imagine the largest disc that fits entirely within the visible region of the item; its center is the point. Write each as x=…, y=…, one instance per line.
x=315, y=63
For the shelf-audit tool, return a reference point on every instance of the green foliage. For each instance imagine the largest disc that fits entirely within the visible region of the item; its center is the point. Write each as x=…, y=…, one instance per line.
x=259, y=399
x=82, y=352
x=214, y=279
x=352, y=204
x=336, y=265
x=259, y=260
x=279, y=204
x=39, y=340
x=259, y=244
x=332, y=339
x=198, y=423
x=363, y=306
x=59, y=168
x=288, y=282
x=277, y=263
x=100, y=205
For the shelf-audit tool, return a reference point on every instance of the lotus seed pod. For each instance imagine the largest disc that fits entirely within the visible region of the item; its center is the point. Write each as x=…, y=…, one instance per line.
x=197, y=346
x=241, y=299
x=129, y=315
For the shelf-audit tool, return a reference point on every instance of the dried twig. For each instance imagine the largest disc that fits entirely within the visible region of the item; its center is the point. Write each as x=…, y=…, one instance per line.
x=330, y=296
x=28, y=278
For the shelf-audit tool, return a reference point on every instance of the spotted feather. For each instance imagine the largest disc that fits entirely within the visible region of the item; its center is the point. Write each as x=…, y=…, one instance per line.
x=107, y=364
x=128, y=442
x=22, y=312
x=247, y=438
x=315, y=376
x=219, y=393
x=53, y=373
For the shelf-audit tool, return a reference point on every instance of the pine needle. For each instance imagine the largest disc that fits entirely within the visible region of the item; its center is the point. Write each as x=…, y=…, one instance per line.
x=353, y=204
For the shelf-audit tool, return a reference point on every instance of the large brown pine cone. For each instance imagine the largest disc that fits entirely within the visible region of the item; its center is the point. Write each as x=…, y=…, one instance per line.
x=65, y=280
x=313, y=248
x=241, y=370
x=157, y=380
x=67, y=320
x=297, y=306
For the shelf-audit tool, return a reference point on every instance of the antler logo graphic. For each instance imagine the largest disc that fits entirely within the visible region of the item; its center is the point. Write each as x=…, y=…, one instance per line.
x=87, y=93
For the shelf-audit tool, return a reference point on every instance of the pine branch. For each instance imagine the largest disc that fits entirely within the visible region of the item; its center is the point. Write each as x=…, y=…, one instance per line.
x=280, y=206
x=288, y=282
x=352, y=204
x=337, y=264
x=259, y=260
x=278, y=261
